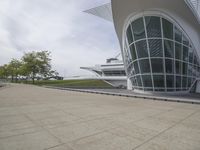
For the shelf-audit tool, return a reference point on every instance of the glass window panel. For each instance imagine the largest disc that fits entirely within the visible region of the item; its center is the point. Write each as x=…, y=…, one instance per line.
x=158, y=81
x=190, y=55
x=178, y=51
x=196, y=71
x=178, y=81
x=153, y=26
x=133, y=53
x=139, y=81
x=127, y=55
x=169, y=65
x=129, y=35
x=141, y=47
x=193, y=71
x=185, y=68
x=138, y=29
x=130, y=68
x=159, y=90
x=195, y=59
x=134, y=81
x=169, y=48
x=178, y=35
x=157, y=65
x=184, y=82
x=198, y=63
x=144, y=66
x=185, y=53
x=147, y=82
x=155, y=48
x=189, y=82
x=170, y=90
x=167, y=29
x=136, y=67
x=185, y=41
x=170, y=81
x=148, y=89
x=178, y=67
x=189, y=70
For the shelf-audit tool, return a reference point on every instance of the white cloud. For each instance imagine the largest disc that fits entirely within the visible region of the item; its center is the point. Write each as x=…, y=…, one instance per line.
x=74, y=38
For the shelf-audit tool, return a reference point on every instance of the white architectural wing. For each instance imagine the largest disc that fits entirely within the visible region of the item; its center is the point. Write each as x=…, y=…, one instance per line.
x=103, y=11
x=195, y=7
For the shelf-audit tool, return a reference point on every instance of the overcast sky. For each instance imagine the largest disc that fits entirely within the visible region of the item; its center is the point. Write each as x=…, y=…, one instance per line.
x=74, y=38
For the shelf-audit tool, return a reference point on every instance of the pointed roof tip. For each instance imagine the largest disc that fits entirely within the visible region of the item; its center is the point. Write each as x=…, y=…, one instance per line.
x=104, y=11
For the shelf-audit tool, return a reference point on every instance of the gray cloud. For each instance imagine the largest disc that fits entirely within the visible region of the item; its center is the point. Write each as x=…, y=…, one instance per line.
x=74, y=38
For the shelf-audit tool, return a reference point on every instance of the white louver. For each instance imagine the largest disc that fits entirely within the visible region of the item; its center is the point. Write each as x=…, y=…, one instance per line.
x=195, y=7
x=103, y=11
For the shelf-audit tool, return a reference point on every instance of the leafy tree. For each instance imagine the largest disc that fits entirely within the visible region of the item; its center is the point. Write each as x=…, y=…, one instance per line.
x=14, y=69
x=37, y=64
x=4, y=73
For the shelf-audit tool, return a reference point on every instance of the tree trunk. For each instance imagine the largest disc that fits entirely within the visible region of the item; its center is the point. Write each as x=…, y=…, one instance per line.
x=33, y=80
x=12, y=76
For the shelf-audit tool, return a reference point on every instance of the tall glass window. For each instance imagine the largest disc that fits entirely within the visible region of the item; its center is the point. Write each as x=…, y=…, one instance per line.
x=136, y=68
x=161, y=56
x=178, y=67
x=169, y=66
x=129, y=35
x=155, y=48
x=133, y=53
x=185, y=53
x=178, y=35
x=159, y=81
x=167, y=29
x=178, y=51
x=138, y=29
x=153, y=26
x=142, y=50
x=170, y=81
x=144, y=66
x=147, y=82
x=157, y=65
x=169, y=48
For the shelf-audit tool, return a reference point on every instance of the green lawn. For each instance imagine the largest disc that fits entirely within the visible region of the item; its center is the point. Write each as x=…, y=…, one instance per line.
x=74, y=83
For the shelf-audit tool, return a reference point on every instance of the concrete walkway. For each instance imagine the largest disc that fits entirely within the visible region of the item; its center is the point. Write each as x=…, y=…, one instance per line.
x=36, y=118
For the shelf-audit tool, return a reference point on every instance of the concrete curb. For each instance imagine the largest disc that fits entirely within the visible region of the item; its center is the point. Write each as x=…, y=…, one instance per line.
x=189, y=101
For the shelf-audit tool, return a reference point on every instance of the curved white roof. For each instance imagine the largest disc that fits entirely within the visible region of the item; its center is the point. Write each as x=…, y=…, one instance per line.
x=195, y=7
x=105, y=11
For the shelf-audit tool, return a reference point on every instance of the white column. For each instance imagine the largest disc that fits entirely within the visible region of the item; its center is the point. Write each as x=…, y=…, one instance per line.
x=129, y=84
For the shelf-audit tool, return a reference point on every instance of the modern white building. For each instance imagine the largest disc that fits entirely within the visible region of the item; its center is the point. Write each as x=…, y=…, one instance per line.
x=160, y=43
x=112, y=72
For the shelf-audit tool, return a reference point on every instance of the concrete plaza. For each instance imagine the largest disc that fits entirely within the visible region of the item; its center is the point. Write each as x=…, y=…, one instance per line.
x=36, y=118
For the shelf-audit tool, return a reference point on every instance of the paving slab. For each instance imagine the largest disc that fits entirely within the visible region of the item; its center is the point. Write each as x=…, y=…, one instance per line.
x=37, y=118
x=33, y=141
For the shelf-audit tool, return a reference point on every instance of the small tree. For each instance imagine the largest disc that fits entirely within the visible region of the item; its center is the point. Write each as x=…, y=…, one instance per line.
x=4, y=73
x=14, y=69
x=37, y=63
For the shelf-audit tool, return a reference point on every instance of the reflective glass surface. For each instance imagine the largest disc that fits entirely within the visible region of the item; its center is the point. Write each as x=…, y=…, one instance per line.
x=138, y=29
x=167, y=29
x=153, y=26
x=155, y=48
x=159, y=56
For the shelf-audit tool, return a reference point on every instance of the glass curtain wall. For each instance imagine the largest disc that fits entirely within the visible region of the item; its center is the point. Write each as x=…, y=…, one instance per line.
x=159, y=56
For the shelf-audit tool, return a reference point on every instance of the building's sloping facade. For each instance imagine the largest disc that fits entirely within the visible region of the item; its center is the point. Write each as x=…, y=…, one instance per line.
x=160, y=43
x=195, y=7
